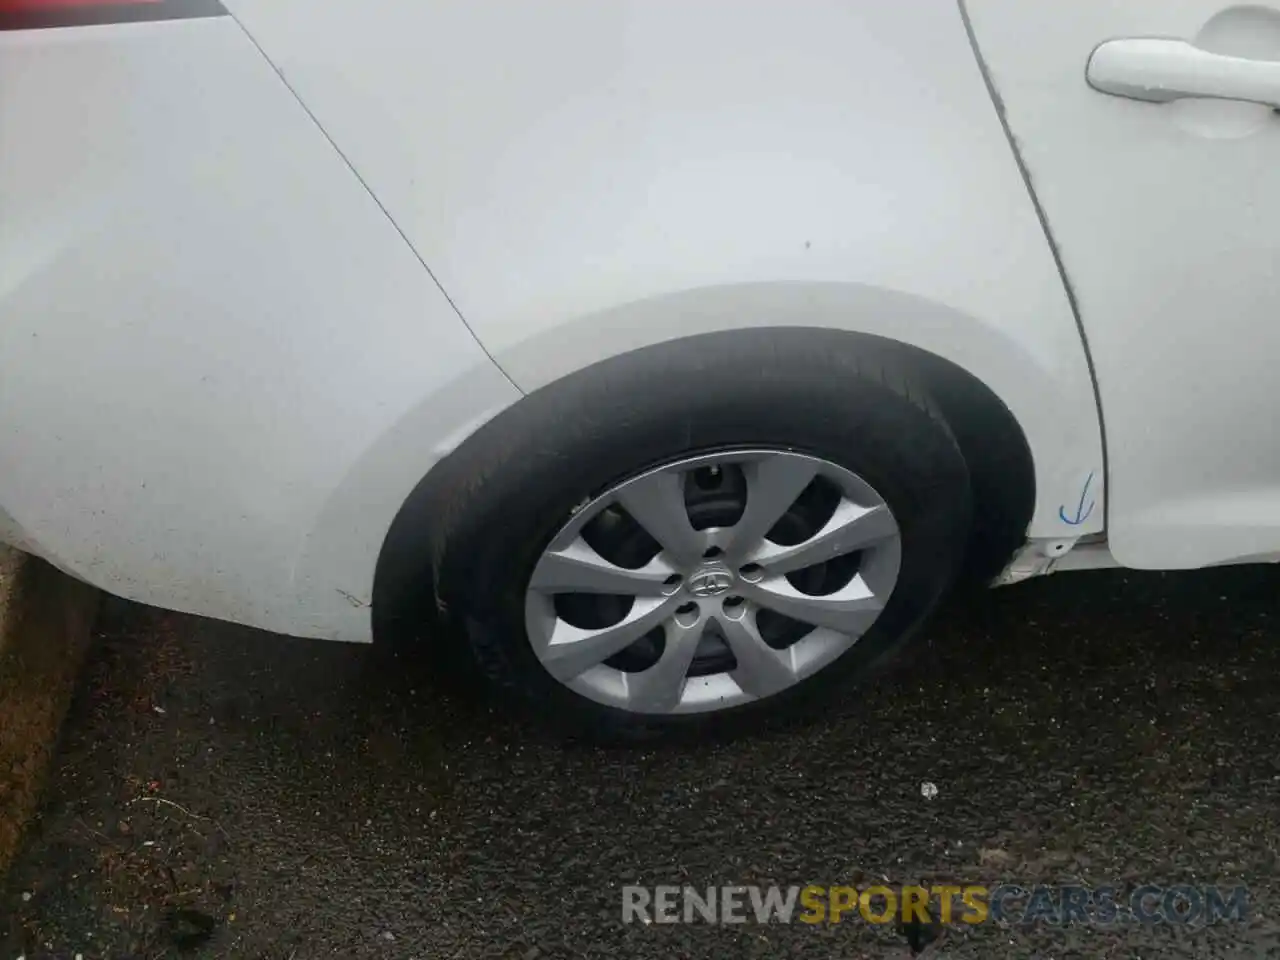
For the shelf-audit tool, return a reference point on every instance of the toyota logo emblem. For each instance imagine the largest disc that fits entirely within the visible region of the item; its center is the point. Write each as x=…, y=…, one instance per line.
x=710, y=583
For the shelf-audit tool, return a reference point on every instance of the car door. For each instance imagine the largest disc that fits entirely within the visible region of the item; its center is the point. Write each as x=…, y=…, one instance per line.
x=1166, y=217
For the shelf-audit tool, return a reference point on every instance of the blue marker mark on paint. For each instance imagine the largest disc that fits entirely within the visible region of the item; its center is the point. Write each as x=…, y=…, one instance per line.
x=1082, y=512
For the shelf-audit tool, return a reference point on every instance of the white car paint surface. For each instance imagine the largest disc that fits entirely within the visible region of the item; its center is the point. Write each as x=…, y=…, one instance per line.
x=586, y=177
x=221, y=369
x=225, y=359
x=1166, y=216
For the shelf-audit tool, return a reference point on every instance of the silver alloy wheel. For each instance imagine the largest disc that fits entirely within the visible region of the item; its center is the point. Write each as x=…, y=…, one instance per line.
x=714, y=581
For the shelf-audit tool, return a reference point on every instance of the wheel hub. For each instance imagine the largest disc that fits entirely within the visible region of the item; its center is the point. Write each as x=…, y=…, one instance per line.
x=710, y=580
x=713, y=581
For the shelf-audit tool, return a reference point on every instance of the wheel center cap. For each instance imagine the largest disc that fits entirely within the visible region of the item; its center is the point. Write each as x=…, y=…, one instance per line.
x=711, y=580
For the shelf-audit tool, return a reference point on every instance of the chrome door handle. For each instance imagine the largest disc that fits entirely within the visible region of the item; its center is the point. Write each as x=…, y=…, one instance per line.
x=1165, y=70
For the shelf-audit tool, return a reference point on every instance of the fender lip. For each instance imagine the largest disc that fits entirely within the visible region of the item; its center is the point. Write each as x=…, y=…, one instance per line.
x=87, y=13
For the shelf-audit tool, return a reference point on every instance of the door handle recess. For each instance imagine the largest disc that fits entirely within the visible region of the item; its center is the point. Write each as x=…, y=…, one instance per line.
x=1163, y=70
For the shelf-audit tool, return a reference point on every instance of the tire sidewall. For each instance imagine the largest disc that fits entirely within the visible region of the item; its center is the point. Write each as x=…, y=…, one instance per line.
x=579, y=438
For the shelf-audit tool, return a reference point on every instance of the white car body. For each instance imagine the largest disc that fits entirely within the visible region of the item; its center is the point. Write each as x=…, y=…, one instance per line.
x=262, y=269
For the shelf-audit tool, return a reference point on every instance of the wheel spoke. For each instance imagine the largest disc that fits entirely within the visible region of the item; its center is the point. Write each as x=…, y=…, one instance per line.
x=850, y=528
x=761, y=670
x=773, y=484
x=579, y=569
x=659, y=689
x=850, y=610
x=571, y=650
x=656, y=502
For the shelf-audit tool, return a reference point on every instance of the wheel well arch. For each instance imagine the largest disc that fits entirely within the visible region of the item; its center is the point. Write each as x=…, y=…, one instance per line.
x=994, y=446
x=1001, y=470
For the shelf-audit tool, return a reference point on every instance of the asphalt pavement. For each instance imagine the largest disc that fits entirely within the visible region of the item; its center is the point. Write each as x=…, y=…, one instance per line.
x=221, y=792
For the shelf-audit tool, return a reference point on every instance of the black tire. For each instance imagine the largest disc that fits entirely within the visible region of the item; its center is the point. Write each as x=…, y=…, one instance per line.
x=846, y=400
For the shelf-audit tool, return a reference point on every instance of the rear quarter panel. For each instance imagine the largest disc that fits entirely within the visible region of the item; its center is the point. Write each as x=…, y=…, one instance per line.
x=222, y=370
x=587, y=177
